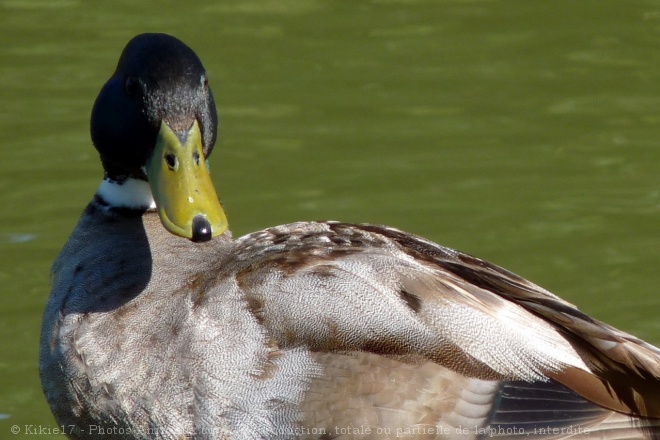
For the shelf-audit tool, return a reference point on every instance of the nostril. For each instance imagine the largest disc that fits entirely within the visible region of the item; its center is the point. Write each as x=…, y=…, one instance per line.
x=201, y=229
x=171, y=161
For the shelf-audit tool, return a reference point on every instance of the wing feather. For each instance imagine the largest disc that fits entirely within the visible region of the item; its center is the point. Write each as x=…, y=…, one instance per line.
x=337, y=287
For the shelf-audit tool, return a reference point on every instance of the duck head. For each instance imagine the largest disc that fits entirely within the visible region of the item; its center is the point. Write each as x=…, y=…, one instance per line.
x=154, y=125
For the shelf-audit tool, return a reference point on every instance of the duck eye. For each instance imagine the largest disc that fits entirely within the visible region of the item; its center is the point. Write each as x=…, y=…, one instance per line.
x=131, y=86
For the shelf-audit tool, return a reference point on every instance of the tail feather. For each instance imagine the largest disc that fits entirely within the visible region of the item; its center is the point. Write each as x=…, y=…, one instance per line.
x=549, y=410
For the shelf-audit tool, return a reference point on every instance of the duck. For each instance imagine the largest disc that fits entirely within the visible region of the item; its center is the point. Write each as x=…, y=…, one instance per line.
x=161, y=325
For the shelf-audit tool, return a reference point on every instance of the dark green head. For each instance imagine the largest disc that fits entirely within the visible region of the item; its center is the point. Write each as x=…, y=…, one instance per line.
x=155, y=120
x=158, y=79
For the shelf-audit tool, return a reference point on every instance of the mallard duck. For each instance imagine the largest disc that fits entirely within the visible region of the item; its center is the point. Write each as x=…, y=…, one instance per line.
x=161, y=325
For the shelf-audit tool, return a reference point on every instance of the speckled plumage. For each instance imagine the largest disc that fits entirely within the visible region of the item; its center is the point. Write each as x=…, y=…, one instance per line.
x=321, y=330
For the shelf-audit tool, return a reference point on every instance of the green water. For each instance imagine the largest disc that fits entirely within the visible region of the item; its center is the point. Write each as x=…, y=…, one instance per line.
x=526, y=133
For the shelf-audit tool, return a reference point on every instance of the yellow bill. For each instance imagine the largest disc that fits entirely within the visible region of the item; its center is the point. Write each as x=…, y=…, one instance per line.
x=185, y=197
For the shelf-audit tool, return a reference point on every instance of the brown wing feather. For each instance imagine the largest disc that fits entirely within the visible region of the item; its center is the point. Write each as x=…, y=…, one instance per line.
x=624, y=370
x=338, y=287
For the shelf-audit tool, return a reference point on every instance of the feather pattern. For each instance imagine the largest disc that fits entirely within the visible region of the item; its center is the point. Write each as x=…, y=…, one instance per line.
x=304, y=329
